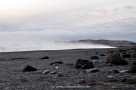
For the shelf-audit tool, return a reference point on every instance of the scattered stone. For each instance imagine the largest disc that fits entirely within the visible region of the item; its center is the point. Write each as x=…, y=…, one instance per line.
x=94, y=57
x=116, y=59
x=46, y=57
x=115, y=71
x=58, y=62
x=29, y=69
x=132, y=69
x=46, y=71
x=84, y=64
x=93, y=70
x=126, y=55
x=94, y=61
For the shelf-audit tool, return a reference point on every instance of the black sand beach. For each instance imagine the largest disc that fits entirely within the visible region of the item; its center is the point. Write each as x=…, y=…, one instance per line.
x=55, y=70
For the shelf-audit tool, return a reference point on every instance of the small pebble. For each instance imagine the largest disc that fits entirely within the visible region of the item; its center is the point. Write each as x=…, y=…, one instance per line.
x=110, y=76
x=123, y=71
x=92, y=70
x=46, y=72
x=56, y=67
x=53, y=72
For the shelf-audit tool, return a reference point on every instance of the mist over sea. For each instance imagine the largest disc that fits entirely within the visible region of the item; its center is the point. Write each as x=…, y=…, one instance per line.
x=44, y=45
x=25, y=41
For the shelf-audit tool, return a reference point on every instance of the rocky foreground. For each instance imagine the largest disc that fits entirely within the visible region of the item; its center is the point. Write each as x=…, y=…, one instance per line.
x=95, y=69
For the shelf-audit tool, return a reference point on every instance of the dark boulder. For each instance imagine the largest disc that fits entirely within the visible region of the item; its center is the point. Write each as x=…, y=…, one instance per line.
x=116, y=59
x=46, y=57
x=96, y=53
x=60, y=75
x=134, y=63
x=94, y=57
x=58, y=62
x=29, y=69
x=102, y=55
x=123, y=80
x=84, y=64
x=115, y=71
x=132, y=69
x=126, y=55
x=133, y=55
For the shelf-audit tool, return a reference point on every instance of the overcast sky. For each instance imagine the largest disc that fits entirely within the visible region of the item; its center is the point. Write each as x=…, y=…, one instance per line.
x=68, y=19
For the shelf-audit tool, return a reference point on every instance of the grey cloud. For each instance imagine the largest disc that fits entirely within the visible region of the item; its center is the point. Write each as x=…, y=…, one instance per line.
x=121, y=29
x=62, y=25
x=129, y=7
x=9, y=27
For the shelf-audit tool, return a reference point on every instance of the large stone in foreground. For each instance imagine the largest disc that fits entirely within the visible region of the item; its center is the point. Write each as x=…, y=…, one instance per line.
x=116, y=59
x=84, y=64
x=29, y=69
x=46, y=57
